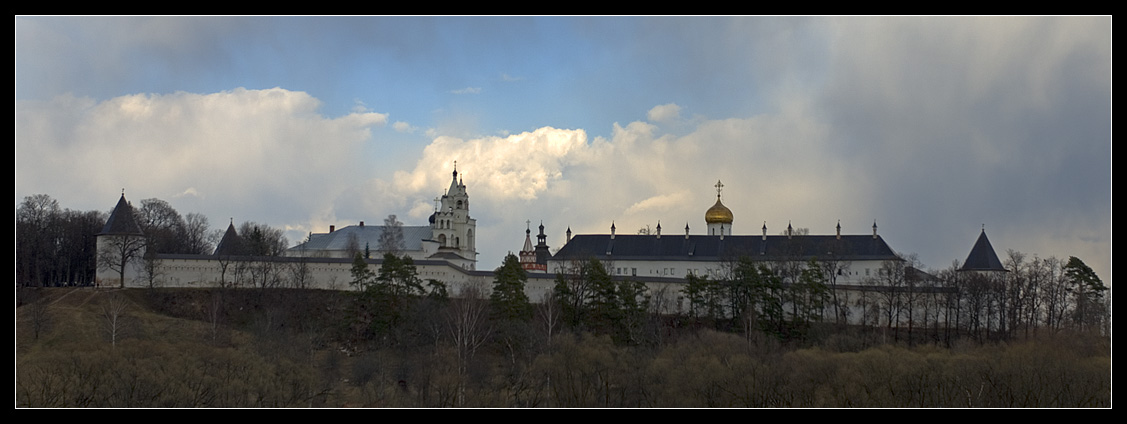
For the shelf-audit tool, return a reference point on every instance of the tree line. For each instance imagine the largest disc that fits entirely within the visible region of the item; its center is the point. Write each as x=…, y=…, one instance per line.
x=58, y=247
x=402, y=341
x=783, y=298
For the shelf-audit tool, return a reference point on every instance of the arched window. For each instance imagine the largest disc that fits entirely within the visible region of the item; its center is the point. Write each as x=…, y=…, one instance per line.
x=442, y=240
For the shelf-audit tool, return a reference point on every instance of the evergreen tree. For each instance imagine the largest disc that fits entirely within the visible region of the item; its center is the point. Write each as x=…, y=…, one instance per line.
x=399, y=277
x=361, y=274
x=1088, y=290
x=508, y=300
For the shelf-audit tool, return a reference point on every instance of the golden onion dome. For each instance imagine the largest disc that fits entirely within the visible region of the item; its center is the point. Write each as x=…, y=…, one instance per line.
x=718, y=214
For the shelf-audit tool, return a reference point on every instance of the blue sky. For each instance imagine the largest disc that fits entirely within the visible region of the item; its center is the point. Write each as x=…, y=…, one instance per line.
x=932, y=126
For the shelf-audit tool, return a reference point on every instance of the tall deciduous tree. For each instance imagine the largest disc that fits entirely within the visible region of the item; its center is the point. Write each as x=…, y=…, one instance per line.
x=391, y=239
x=118, y=252
x=163, y=226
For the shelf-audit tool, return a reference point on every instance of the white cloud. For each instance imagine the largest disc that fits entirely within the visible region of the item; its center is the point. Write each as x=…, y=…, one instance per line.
x=402, y=127
x=663, y=113
x=467, y=90
x=263, y=155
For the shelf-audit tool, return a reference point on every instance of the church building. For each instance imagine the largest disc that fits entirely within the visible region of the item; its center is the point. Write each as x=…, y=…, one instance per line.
x=710, y=255
x=449, y=235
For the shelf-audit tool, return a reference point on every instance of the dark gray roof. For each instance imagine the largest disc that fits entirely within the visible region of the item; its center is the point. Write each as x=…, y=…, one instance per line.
x=713, y=248
x=231, y=244
x=366, y=235
x=982, y=256
x=121, y=221
x=445, y=254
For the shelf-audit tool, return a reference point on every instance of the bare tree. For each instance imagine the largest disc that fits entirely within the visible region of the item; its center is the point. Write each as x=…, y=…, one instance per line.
x=469, y=327
x=391, y=239
x=150, y=267
x=113, y=311
x=163, y=226
x=118, y=252
x=39, y=313
x=197, y=234
x=548, y=313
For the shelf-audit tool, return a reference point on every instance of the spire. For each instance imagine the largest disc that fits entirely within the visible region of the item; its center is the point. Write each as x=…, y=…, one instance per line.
x=874, y=228
x=839, y=229
x=527, y=239
x=659, y=229
x=453, y=190
x=612, y=230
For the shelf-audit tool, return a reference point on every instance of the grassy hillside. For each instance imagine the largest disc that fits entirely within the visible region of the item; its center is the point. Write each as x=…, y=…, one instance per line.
x=304, y=348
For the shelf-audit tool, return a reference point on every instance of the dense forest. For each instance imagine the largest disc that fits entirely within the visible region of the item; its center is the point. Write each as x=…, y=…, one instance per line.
x=765, y=336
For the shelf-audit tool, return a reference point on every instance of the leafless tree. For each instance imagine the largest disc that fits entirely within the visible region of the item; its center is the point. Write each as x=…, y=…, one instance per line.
x=118, y=252
x=40, y=315
x=469, y=327
x=548, y=313
x=150, y=267
x=197, y=234
x=113, y=311
x=391, y=239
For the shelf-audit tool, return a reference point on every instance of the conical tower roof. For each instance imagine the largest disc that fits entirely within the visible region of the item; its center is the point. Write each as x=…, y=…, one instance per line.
x=231, y=244
x=982, y=256
x=121, y=221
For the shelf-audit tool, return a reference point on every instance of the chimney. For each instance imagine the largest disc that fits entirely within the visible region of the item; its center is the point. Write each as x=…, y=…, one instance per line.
x=332, y=228
x=361, y=223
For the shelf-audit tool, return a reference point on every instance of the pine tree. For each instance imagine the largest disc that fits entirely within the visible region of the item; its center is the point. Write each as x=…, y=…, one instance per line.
x=508, y=300
x=1088, y=289
x=361, y=274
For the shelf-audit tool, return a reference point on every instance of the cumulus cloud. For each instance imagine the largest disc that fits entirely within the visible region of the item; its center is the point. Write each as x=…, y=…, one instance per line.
x=247, y=152
x=664, y=113
x=772, y=165
x=402, y=127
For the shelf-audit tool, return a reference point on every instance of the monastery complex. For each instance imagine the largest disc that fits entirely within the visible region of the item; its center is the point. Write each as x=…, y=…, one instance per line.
x=445, y=250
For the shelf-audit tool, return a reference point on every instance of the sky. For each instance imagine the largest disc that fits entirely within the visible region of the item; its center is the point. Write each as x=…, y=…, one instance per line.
x=934, y=128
